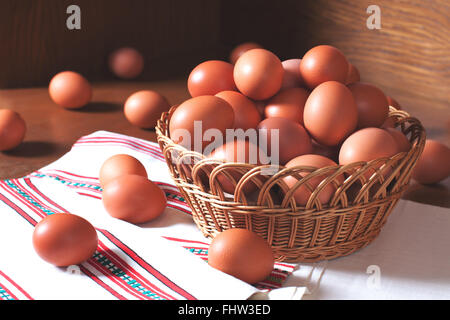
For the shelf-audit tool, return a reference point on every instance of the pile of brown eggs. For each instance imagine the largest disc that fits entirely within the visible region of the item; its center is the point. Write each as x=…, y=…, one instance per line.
x=322, y=111
x=323, y=114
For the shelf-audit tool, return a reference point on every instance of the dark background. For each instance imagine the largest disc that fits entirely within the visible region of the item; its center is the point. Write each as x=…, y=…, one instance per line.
x=409, y=56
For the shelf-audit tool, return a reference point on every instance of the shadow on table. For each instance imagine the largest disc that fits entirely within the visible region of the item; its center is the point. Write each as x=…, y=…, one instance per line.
x=409, y=258
x=434, y=194
x=33, y=149
x=100, y=107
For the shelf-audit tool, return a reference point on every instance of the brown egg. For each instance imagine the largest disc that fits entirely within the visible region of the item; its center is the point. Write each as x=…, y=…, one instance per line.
x=302, y=194
x=144, y=108
x=126, y=63
x=12, y=129
x=292, y=77
x=261, y=106
x=258, y=74
x=330, y=113
x=70, y=90
x=118, y=165
x=401, y=140
x=237, y=151
x=246, y=115
x=242, y=48
x=288, y=103
x=242, y=254
x=373, y=107
x=433, y=164
x=353, y=74
x=293, y=140
x=367, y=144
x=211, y=77
x=393, y=103
x=323, y=63
x=64, y=239
x=203, y=113
x=134, y=198
x=389, y=123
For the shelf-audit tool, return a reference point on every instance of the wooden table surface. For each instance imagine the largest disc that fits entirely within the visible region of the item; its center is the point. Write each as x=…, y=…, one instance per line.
x=52, y=130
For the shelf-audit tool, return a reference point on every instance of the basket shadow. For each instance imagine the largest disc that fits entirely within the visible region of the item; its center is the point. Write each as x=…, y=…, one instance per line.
x=407, y=252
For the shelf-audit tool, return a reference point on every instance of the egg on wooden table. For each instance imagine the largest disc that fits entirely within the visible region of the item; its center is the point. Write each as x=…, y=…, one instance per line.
x=12, y=129
x=118, y=165
x=144, y=108
x=241, y=253
x=70, y=90
x=126, y=63
x=433, y=164
x=64, y=239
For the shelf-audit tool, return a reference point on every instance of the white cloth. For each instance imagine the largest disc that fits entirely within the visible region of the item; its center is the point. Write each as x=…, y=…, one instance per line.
x=409, y=260
x=162, y=259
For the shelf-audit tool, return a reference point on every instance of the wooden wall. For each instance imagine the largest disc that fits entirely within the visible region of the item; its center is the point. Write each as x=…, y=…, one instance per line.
x=35, y=42
x=408, y=56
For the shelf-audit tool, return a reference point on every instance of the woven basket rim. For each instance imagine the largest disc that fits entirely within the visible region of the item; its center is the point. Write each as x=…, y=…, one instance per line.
x=309, y=232
x=404, y=117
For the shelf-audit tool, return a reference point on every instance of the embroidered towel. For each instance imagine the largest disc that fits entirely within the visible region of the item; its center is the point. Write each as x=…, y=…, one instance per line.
x=162, y=259
x=165, y=258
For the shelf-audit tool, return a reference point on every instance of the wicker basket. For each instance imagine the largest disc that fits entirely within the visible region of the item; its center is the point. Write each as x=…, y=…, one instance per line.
x=351, y=220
